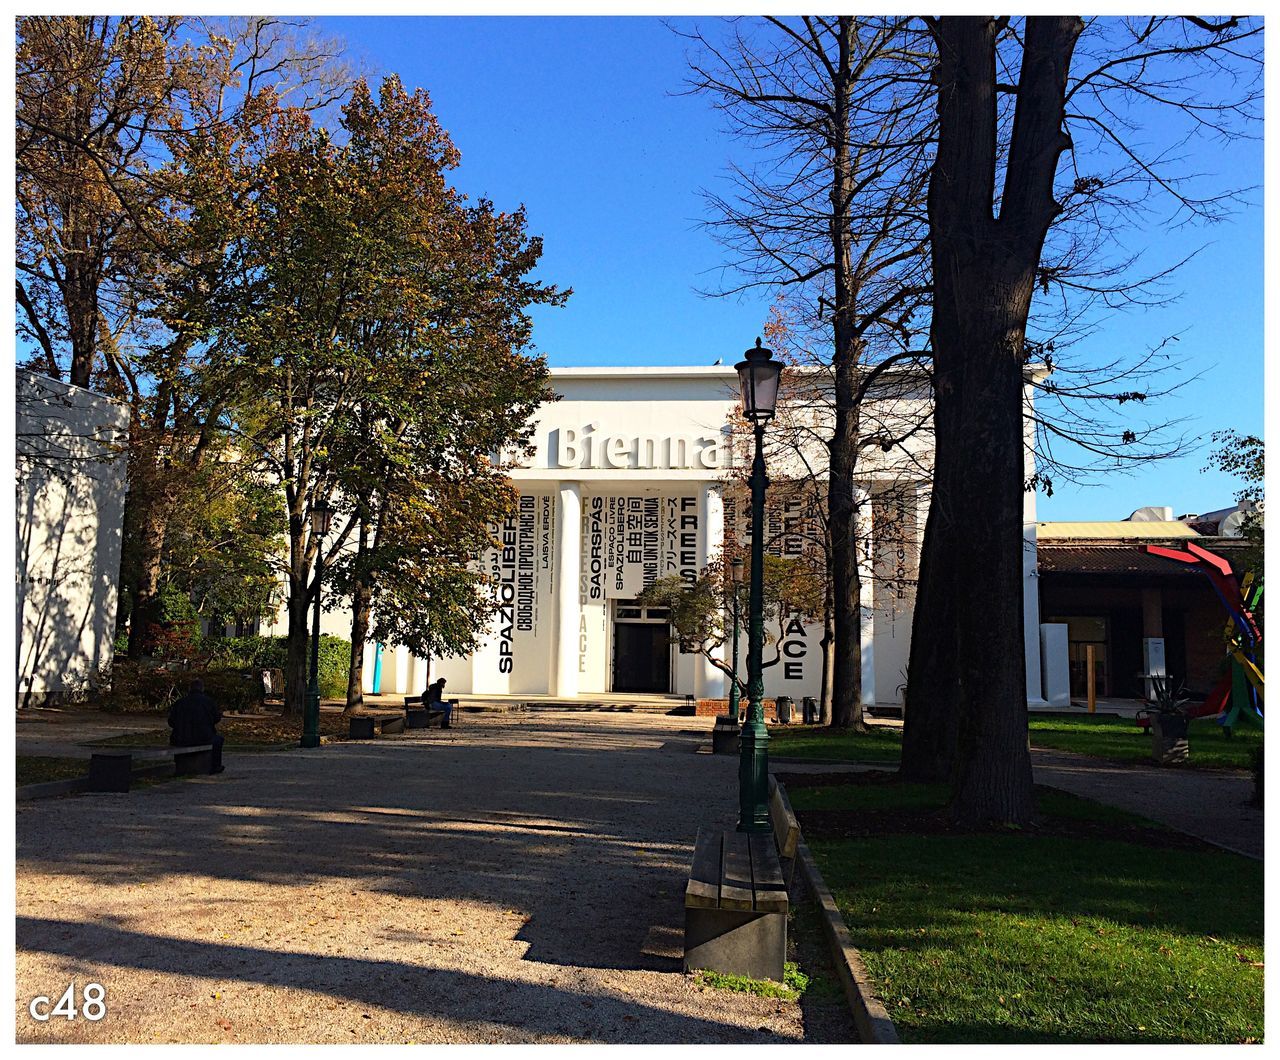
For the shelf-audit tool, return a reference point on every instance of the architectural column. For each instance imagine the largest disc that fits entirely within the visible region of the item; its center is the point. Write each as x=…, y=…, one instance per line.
x=419, y=676
x=708, y=682
x=1030, y=572
x=1152, y=612
x=401, y=686
x=568, y=602
x=369, y=661
x=863, y=531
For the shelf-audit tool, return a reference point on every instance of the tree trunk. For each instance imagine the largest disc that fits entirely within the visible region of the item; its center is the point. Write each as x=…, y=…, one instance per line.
x=983, y=271
x=150, y=563
x=846, y=647
x=82, y=273
x=296, y=676
x=828, y=661
x=361, y=608
x=931, y=710
x=846, y=705
x=932, y=706
x=298, y=637
x=993, y=764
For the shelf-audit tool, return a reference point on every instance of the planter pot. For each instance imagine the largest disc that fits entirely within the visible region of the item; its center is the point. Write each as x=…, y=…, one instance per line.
x=1169, y=739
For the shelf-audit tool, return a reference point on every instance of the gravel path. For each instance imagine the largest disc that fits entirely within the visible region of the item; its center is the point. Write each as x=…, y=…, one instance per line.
x=514, y=879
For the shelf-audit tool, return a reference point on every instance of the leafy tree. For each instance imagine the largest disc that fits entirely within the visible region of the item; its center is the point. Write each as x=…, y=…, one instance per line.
x=701, y=612
x=1244, y=456
x=222, y=550
x=448, y=324
x=133, y=134
x=379, y=324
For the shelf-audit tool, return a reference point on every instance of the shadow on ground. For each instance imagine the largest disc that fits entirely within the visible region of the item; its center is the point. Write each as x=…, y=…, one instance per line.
x=582, y=834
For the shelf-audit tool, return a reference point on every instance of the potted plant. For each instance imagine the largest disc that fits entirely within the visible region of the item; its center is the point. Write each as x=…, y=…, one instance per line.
x=1168, y=722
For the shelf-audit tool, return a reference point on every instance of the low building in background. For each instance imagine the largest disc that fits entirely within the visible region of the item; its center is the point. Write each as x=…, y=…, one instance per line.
x=1140, y=612
x=71, y=460
x=639, y=473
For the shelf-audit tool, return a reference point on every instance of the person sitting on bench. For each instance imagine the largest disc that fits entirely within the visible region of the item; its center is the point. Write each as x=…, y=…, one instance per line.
x=192, y=719
x=433, y=699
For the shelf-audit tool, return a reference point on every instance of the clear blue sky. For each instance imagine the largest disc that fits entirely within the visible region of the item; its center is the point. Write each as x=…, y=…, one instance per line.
x=581, y=120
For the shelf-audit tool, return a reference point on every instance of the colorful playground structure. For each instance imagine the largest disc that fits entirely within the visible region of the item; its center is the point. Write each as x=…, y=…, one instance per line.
x=1239, y=692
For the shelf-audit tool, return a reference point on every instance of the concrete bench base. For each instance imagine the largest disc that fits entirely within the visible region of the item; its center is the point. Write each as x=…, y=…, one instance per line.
x=367, y=726
x=110, y=772
x=736, y=942
x=192, y=761
x=113, y=770
x=735, y=906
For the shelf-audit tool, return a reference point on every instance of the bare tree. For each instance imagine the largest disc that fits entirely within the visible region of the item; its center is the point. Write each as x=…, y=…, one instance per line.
x=894, y=467
x=1014, y=99
x=832, y=215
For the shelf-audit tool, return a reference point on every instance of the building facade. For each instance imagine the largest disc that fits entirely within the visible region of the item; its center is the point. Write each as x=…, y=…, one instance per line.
x=635, y=475
x=71, y=462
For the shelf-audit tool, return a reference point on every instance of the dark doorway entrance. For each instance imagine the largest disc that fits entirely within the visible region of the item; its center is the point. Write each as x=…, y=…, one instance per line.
x=641, y=650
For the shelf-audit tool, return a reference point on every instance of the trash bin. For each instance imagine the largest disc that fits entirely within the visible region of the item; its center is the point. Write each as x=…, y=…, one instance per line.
x=809, y=707
x=784, y=710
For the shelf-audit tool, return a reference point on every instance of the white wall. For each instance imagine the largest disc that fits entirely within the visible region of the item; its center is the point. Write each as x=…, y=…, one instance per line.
x=71, y=463
x=598, y=440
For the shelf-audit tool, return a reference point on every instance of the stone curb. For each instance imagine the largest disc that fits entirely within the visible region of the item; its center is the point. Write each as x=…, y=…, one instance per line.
x=869, y=1014
x=784, y=760
x=48, y=789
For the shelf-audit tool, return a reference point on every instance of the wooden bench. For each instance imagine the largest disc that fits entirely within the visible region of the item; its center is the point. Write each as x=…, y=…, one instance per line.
x=786, y=830
x=735, y=906
x=367, y=726
x=419, y=715
x=113, y=770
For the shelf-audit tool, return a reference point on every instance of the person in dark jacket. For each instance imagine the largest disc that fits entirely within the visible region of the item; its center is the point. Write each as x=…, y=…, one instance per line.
x=435, y=701
x=193, y=719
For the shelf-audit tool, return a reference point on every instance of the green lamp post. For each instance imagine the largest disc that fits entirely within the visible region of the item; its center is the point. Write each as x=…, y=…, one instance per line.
x=758, y=375
x=735, y=581
x=320, y=517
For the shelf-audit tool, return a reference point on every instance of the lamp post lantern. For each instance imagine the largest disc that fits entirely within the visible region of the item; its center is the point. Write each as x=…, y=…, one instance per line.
x=758, y=375
x=320, y=517
x=735, y=581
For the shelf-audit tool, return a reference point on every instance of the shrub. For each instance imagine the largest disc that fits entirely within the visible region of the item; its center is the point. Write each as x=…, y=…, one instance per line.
x=255, y=654
x=232, y=690
x=246, y=653
x=131, y=687
x=335, y=664
x=139, y=688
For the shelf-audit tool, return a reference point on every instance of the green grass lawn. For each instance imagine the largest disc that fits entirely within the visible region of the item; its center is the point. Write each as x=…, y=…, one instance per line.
x=1046, y=937
x=1104, y=736
x=1107, y=736
x=36, y=769
x=880, y=744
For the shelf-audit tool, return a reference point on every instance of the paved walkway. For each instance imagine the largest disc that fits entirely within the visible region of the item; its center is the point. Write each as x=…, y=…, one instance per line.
x=514, y=879
x=1213, y=805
